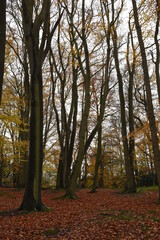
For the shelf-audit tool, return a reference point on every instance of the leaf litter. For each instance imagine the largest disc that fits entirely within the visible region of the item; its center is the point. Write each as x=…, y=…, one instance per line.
x=101, y=215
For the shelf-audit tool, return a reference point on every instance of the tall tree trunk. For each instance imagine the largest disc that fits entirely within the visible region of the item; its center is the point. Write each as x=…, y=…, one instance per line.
x=37, y=49
x=151, y=117
x=24, y=133
x=71, y=188
x=157, y=62
x=32, y=195
x=74, y=124
x=131, y=71
x=130, y=181
x=2, y=41
x=67, y=132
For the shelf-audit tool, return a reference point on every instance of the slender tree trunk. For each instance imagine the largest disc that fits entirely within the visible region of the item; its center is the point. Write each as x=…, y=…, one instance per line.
x=85, y=171
x=23, y=169
x=101, y=177
x=130, y=182
x=1, y=165
x=2, y=41
x=69, y=123
x=157, y=62
x=71, y=188
x=98, y=160
x=1, y=173
x=24, y=133
x=83, y=128
x=151, y=117
x=131, y=70
x=24, y=138
x=59, y=180
x=74, y=124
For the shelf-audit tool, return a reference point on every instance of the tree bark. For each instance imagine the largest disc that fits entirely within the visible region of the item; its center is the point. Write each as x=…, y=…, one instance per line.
x=98, y=160
x=32, y=196
x=24, y=133
x=71, y=188
x=130, y=181
x=2, y=42
x=157, y=62
x=37, y=50
x=131, y=71
x=151, y=116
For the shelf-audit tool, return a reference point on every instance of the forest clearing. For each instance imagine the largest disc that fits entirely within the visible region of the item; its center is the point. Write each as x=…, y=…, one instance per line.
x=106, y=214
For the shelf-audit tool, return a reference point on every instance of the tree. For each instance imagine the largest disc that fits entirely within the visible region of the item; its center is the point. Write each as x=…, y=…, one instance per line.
x=2, y=41
x=151, y=116
x=104, y=89
x=157, y=61
x=20, y=74
x=66, y=117
x=36, y=24
x=131, y=72
x=83, y=126
x=130, y=181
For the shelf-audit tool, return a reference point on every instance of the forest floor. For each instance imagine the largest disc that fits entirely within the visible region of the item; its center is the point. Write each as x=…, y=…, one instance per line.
x=105, y=214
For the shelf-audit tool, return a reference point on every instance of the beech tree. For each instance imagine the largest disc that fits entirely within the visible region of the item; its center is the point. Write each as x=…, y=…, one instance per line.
x=19, y=71
x=130, y=181
x=36, y=23
x=86, y=72
x=104, y=88
x=66, y=76
x=131, y=72
x=151, y=116
x=157, y=60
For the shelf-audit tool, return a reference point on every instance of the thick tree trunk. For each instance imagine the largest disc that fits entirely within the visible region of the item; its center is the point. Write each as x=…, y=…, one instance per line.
x=151, y=117
x=37, y=48
x=32, y=195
